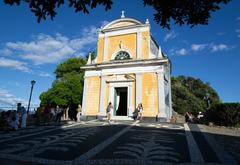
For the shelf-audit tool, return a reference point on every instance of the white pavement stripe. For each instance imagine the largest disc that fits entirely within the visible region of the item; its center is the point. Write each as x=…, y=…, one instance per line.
x=45, y=131
x=195, y=153
x=102, y=145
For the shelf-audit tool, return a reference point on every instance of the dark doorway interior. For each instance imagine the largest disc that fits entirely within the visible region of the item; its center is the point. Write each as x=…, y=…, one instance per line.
x=121, y=93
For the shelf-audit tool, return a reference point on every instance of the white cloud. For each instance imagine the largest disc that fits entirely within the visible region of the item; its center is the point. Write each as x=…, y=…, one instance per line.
x=218, y=47
x=43, y=74
x=220, y=33
x=14, y=64
x=238, y=32
x=169, y=36
x=5, y=52
x=10, y=99
x=198, y=47
x=104, y=23
x=181, y=51
x=44, y=49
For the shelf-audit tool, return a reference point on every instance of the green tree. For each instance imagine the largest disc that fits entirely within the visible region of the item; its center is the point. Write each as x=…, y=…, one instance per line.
x=188, y=94
x=67, y=89
x=190, y=12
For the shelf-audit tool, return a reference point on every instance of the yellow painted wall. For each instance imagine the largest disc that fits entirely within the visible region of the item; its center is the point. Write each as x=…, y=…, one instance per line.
x=100, y=50
x=149, y=94
x=145, y=44
x=128, y=42
x=93, y=93
x=106, y=95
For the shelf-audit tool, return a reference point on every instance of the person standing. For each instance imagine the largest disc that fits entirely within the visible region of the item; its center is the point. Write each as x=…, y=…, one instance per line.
x=58, y=114
x=24, y=117
x=79, y=110
x=140, y=109
x=109, y=112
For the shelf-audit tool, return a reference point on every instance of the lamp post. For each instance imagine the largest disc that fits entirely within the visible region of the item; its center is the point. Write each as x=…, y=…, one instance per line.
x=32, y=84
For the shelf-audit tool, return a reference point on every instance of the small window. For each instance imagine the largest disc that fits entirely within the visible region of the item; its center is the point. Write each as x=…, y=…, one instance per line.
x=122, y=55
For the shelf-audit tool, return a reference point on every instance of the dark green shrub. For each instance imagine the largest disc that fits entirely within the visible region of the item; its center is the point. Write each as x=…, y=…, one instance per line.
x=226, y=114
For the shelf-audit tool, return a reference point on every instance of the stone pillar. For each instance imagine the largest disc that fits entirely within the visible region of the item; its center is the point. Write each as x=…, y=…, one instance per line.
x=162, y=116
x=105, y=49
x=139, y=45
x=130, y=106
x=84, y=100
x=111, y=95
x=170, y=95
x=138, y=88
x=101, y=112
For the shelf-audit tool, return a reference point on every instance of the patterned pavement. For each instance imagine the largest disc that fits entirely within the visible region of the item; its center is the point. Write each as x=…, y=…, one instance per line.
x=98, y=143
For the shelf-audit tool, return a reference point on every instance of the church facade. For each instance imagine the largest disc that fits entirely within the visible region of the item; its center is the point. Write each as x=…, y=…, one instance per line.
x=129, y=69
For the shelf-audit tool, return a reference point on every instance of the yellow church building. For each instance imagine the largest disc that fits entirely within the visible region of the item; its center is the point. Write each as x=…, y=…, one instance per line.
x=129, y=69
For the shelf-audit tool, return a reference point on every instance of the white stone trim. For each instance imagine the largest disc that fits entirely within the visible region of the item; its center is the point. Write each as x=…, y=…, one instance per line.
x=102, y=96
x=84, y=100
x=139, y=45
x=129, y=89
x=130, y=106
x=125, y=70
x=138, y=88
x=124, y=31
x=105, y=49
x=170, y=92
x=122, y=20
x=122, y=49
x=161, y=96
x=127, y=63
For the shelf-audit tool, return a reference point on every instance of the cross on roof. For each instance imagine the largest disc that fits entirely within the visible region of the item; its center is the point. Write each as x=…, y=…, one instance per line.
x=123, y=16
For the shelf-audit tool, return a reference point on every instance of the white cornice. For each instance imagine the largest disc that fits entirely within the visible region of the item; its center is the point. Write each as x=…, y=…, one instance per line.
x=125, y=63
x=124, y=30
x=125, y=70
x=122, y=20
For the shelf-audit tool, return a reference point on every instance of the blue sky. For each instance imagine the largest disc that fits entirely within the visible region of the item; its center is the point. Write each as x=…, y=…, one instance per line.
x=31, y=51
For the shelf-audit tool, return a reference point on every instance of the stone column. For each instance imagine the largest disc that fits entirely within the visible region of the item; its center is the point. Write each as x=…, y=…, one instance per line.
x=111, y=95
x=139, y=45
x=84, y=100
x=105, y=49
x=101, y=112
x=162, y=116
x=130, y=108
x=138, y=88
x=170, y=95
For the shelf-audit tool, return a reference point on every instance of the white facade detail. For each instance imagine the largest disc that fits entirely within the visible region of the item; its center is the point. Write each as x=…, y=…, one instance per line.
x=138, y=87
x=84, y=100
x=102, y=108
x=139, y=45
x=105, y=49
x=161, y=97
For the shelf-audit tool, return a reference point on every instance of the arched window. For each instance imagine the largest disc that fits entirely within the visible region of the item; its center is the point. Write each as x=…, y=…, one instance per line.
x=122, y=55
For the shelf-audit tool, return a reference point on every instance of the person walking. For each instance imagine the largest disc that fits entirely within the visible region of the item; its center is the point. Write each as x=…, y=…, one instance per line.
x=79, y=110
x=109, y=112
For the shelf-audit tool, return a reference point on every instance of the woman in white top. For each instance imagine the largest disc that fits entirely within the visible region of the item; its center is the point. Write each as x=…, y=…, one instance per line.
x=109, y=112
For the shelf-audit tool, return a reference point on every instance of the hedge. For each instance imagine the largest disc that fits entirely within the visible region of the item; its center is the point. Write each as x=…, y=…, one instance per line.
x=225, y=114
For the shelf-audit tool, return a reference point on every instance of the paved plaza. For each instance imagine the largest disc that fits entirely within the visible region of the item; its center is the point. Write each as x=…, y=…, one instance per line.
x=120, y=143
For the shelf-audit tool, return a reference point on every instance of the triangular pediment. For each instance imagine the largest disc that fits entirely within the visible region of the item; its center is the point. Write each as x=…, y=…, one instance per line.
x=122, y=23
